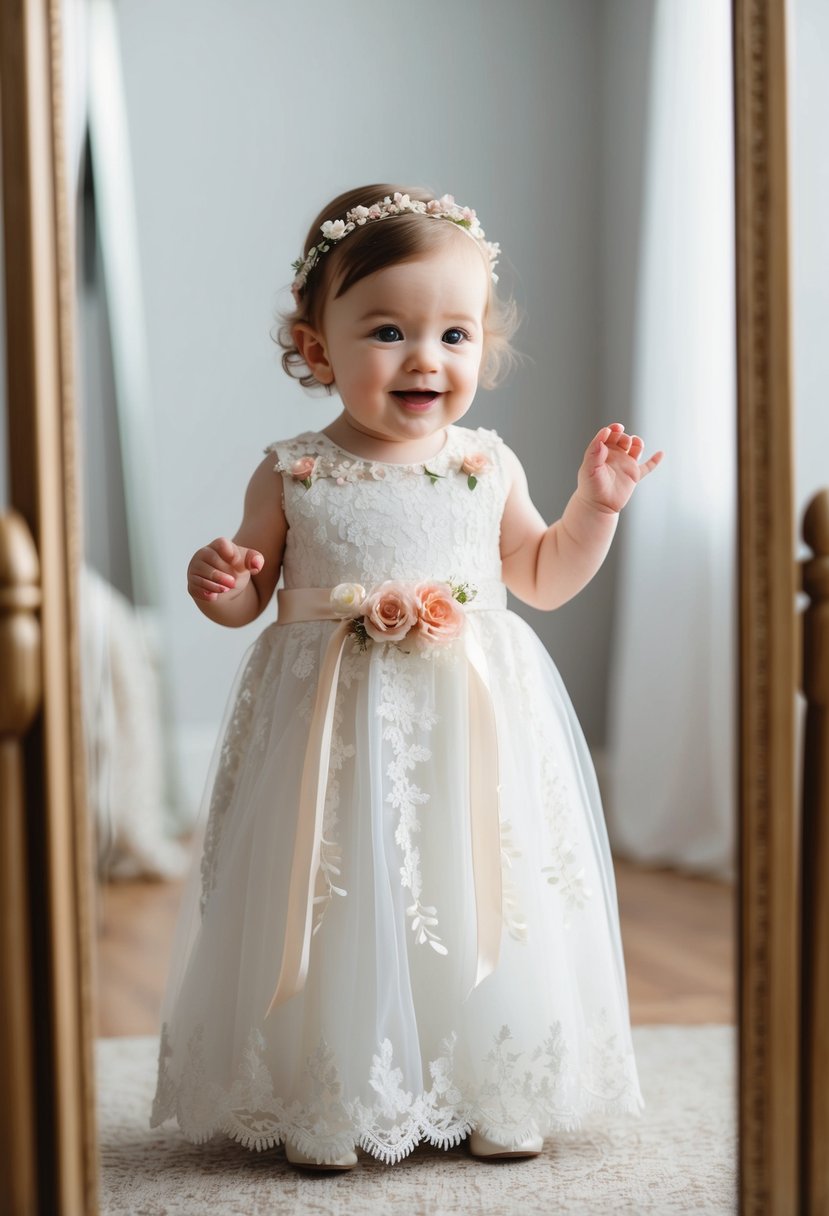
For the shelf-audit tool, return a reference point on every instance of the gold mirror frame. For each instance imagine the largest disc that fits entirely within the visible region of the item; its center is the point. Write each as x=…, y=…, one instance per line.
x=48, y=1125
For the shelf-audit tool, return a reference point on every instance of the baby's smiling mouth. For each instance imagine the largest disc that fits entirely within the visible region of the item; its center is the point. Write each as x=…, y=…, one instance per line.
x=415, y=396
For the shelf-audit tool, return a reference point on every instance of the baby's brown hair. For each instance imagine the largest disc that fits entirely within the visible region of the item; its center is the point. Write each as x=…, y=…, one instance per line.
x=372, y=247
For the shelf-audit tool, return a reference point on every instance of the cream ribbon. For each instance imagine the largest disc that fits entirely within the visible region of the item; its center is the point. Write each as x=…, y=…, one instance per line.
x=313, y=604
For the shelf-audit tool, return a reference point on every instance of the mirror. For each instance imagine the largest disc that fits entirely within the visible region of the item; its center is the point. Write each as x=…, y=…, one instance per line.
x=766, y=672
x=620, y=253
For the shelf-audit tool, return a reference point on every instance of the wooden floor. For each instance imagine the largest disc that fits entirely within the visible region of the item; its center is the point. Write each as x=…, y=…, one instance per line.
x=678, y=936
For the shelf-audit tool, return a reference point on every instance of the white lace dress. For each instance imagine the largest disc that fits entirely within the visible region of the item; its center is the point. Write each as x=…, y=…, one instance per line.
x=390, y=1041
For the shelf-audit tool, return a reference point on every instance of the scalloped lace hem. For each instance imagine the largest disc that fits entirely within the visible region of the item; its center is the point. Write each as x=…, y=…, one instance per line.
x=373, y=1140
x=518, y=1094
x=390, y=1149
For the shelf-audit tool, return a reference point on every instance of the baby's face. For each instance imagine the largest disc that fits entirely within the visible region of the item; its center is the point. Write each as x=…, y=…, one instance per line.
x=405, y=344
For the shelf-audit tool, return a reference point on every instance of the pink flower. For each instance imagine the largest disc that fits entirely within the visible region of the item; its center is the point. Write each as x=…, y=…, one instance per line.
x=303, y=468
x=440, y=616
x=390, y=612
x=475, y=464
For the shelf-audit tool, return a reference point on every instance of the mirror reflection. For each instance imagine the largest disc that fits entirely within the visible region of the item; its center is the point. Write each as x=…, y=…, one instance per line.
x=597, y=152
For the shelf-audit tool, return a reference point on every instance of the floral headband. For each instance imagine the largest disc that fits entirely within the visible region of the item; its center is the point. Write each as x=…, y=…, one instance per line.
x=444, y=208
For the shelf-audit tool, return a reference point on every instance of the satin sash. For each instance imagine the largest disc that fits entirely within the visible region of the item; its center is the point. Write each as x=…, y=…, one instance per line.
x=313, y=604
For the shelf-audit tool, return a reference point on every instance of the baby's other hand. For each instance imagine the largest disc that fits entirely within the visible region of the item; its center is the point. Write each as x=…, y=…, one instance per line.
x=611, y=470
x=221, y=567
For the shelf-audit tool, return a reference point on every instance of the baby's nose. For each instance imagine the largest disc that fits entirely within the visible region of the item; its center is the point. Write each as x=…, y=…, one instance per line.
x=422, y=357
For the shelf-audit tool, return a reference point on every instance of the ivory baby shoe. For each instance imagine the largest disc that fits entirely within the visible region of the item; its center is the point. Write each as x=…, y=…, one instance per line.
x=491, y=1150
x=345, y=1162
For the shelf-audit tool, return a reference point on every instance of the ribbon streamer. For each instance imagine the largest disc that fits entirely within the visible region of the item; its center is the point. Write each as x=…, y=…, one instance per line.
x=313, y=604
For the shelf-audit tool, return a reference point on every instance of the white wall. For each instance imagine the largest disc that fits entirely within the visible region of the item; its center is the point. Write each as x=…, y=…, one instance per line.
x=810, y=245
x=244, y=119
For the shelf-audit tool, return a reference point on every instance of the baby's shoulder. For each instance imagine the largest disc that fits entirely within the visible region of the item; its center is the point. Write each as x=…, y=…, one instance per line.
x=488, y=444
x=288, y=451
x=479, y=434
x=472, y=440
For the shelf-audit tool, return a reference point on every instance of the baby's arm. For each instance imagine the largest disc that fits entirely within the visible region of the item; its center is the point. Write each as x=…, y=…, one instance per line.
x=545, y=567
x=232, y=581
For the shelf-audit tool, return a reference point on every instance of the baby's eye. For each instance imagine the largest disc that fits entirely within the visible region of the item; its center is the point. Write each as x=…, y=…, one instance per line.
x=453, y=337
x=388, y=333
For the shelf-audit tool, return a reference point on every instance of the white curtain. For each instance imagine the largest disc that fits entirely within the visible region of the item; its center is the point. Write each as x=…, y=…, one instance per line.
x=75, y=67
x=670, y=780
x=125, y=762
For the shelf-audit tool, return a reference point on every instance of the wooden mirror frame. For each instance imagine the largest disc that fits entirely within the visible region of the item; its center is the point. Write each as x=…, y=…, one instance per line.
x=48, y=1125
x=768, y=889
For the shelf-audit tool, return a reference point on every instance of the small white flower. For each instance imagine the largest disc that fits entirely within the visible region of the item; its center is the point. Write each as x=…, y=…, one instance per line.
x=333, y=230
x=347, y=599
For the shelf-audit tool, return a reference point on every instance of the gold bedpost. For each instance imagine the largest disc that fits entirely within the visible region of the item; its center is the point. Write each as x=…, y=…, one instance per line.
x=815, y=838
x=20, y=698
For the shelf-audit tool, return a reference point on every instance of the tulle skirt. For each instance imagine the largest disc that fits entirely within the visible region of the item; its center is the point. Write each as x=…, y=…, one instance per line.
x=390, y=1042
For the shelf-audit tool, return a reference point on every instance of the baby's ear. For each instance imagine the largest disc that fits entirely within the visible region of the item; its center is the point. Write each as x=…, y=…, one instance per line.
x=311, y=346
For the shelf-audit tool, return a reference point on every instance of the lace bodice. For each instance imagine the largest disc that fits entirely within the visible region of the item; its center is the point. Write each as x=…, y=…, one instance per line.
x=356, y=520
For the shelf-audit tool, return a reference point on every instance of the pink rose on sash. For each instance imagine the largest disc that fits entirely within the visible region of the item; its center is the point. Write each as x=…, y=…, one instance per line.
x=440, y=616
x=390, y=611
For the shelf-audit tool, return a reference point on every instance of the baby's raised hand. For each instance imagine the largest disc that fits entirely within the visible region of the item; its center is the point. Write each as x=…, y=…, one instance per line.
x=611, y=470
x=220, y=567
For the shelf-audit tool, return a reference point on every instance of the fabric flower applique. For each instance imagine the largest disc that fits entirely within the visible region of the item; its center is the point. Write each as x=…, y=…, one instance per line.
x=307, y=469
x=347, y=599
x=424, y=614
x=441, y=617
x=389, y=612
x=475, y=465
x=303, y=469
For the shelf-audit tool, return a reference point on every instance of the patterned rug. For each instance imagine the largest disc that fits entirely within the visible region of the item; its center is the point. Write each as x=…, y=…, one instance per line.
x=679, y=1157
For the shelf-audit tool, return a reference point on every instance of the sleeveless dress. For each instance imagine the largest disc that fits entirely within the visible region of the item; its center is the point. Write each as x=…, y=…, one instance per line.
x=396, y=1033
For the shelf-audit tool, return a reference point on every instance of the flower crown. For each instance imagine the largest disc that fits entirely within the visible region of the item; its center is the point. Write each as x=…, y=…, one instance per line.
x=444, y=208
